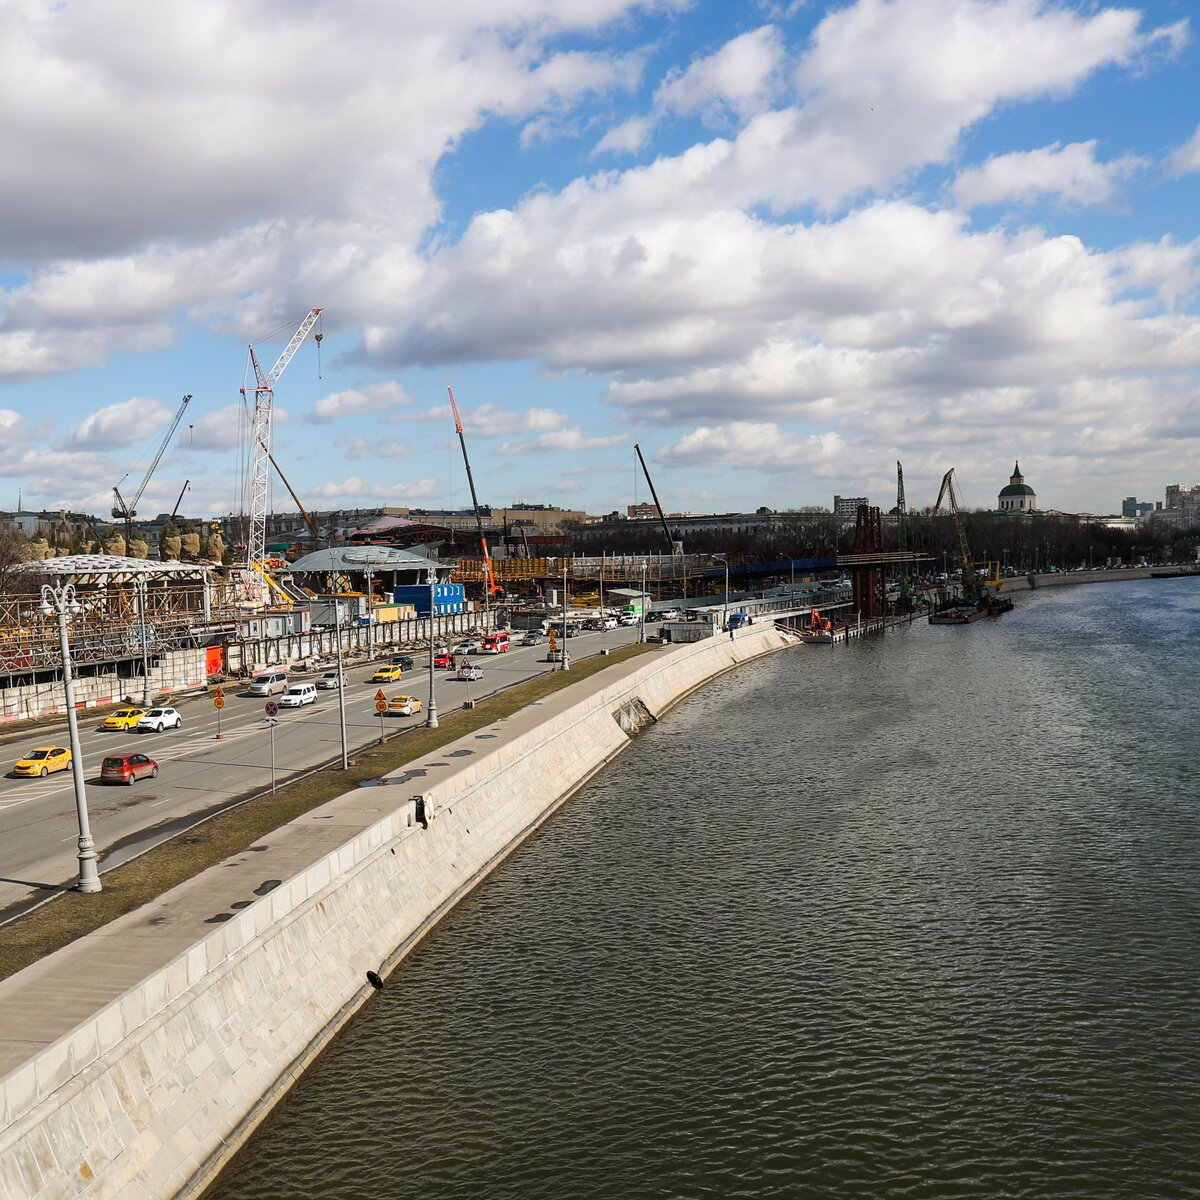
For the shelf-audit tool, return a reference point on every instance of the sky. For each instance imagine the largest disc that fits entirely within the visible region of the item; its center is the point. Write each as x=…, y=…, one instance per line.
x=779, y=244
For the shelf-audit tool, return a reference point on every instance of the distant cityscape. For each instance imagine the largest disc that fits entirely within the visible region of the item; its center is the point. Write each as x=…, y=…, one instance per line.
x=539, y=528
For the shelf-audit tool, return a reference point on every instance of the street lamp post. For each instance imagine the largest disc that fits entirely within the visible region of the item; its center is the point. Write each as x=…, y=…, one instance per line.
x=725, y=614
x=565, y=664
x=147, y=700
x=642, y=607
x=431, y=721
x=370, y=616
x=337, y=633
x=61, y=602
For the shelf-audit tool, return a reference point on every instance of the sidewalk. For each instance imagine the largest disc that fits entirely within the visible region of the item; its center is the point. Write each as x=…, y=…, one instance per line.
x=44, y=1002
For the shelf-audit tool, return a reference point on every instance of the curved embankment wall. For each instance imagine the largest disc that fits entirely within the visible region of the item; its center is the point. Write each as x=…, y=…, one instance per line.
x=152, y=1095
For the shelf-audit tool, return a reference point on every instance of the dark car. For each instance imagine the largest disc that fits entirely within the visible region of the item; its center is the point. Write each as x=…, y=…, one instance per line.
x=127, y=768
x=403, y=661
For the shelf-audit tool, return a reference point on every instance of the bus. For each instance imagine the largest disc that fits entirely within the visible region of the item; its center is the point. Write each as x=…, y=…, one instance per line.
x=494, y=643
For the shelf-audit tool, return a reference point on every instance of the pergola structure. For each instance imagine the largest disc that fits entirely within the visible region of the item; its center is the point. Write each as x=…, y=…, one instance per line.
x=118, y=597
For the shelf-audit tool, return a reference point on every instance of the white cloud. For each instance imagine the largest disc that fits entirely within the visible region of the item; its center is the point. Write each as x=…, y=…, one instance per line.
x=763, y=446
x=360, y=448
x=1186, y=160
x=1069, y=172
x=355, y=402
x=223, y=429
x=571, y=439
x=627, y=138
x=118, y=425
x=740, y=76
x=490, y=420
x=355, y=489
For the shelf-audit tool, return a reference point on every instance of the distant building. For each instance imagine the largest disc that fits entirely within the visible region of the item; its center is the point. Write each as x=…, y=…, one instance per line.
x=1018, y=496
x=1182, y=506
x=1132, y=507
x=641, y=512
x=847, y=506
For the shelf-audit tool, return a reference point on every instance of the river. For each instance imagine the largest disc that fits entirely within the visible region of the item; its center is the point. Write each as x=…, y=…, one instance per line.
x=917, y=917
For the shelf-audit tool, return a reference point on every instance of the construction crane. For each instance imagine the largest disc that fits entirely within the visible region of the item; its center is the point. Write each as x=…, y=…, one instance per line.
x=905, y=601
x=126, y=512
x=672, y=546
x=490, y=576
x=260, y=437
x=312, y=528
x=187, y=483
x=970, y=585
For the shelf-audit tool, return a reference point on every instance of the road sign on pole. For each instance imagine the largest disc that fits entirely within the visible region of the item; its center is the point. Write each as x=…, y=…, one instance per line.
x=271, y=708
x=380, y=698
x=218, y=701
x=381, y=706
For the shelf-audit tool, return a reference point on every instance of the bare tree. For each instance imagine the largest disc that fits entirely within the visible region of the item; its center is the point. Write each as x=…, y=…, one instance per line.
x=14, y=550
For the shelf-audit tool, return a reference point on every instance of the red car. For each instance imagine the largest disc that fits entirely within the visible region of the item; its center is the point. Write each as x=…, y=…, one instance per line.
x=127, y=768
x=443, y=660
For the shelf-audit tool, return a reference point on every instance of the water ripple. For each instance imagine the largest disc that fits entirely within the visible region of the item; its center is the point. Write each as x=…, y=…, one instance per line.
x=914, y=919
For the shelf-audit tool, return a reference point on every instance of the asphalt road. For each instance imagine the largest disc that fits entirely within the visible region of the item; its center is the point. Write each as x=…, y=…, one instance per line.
x=199, y=774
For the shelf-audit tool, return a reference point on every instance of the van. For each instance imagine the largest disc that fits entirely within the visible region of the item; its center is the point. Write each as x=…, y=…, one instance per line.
x=299, y=694
x=268, y=683
x=495, y=643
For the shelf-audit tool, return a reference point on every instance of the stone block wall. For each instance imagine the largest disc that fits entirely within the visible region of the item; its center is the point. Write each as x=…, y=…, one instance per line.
x=149, y=1097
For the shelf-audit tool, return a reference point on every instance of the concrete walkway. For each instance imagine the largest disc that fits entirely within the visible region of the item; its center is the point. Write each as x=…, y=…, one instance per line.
x=44, y=1002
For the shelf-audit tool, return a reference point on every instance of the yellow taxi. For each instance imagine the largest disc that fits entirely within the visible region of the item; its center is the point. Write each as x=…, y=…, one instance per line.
x=123, y=718
x=404, y=706
x=389, y=673
x=41, y=760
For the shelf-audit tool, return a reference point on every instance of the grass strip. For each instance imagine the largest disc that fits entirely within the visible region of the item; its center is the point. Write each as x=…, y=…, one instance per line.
x=31, y=937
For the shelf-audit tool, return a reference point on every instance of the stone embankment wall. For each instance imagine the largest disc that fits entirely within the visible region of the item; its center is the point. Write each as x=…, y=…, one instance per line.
x=153, y=1094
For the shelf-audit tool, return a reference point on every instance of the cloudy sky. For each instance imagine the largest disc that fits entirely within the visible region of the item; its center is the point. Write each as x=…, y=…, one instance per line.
x=779, y=244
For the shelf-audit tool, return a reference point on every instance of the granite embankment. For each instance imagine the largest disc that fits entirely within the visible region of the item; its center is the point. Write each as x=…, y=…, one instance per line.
x=136, y=1060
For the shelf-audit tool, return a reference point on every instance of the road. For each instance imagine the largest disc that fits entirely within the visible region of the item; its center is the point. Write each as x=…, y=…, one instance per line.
x=199, y=774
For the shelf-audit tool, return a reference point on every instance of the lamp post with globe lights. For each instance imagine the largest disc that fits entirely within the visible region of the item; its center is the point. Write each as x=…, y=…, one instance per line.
x=61, y=602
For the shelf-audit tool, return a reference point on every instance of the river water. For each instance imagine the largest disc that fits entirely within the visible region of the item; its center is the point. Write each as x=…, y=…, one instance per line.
x=918, y=917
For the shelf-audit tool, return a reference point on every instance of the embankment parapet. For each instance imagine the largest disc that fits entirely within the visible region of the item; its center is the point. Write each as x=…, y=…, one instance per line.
x=150, y=1094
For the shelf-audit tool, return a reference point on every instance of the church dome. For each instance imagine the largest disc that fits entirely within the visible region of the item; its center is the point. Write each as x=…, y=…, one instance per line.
x=1016, y=489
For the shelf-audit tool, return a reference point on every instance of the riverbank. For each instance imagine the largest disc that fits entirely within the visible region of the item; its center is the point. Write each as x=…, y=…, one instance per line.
x=138, y=1058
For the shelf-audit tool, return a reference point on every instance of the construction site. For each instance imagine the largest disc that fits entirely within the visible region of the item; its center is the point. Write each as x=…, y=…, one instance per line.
x=148, y=628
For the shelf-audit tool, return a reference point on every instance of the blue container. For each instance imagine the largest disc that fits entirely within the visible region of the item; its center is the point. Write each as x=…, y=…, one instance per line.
x=447, y=598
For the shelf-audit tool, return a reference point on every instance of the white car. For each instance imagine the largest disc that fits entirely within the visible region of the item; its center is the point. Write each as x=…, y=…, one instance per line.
x=298, y=695
x=159, y=719
x=332, y=679
x=532, y=638
x=470, y=646
x=470, y=671
x=608, y=622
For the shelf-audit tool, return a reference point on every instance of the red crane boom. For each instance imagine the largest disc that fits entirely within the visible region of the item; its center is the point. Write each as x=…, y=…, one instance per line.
x=492, y=586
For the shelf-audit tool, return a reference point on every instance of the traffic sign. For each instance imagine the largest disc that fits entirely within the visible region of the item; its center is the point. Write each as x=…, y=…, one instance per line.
x=218, y=701
x=271, y=708
x=381, y=706
x=379, y=696
x=218, y=692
